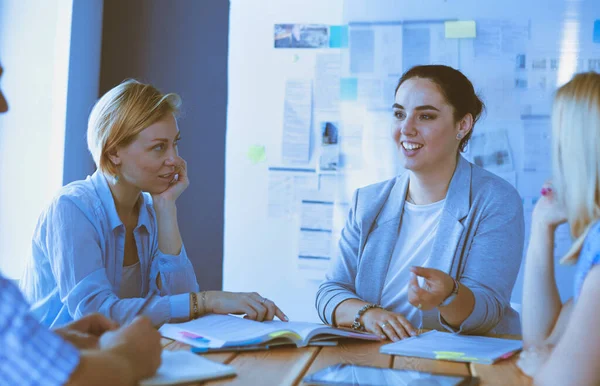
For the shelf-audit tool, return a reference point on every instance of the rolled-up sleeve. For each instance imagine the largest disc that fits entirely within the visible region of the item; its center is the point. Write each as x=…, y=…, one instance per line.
x=178, y=280
x=339, y=284
x=176, y=272
x=75, y=257
x=493, y=263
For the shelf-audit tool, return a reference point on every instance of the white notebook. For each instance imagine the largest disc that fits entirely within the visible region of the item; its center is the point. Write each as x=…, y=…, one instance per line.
x=452, y=347
x=184, y=367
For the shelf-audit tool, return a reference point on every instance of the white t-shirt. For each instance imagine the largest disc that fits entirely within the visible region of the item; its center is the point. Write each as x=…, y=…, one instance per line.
x=413, y=247
x=131, y=282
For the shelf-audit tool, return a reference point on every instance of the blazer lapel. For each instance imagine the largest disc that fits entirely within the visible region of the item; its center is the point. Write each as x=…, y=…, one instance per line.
x=379, y=243
x=450, y=228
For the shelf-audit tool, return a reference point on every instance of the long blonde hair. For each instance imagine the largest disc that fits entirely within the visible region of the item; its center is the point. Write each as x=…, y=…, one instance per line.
x=576, y=155
x=122, y=113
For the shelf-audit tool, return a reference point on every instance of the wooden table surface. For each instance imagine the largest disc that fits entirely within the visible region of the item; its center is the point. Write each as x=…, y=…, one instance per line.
x=288, y=365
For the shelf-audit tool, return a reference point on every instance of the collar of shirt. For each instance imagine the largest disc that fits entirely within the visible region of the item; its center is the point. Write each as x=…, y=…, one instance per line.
x=106, y=198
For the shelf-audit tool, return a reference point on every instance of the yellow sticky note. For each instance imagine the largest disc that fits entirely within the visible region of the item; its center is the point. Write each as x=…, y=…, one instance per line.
x=278, y=334
x=463, y=29
x=449, y=353
x=256, y=154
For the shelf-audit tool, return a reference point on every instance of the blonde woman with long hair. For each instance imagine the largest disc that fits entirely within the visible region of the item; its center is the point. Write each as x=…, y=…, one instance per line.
x=562, y=345
x=107, y=242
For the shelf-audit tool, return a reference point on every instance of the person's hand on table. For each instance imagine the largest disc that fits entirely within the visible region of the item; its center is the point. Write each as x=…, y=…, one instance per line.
x=250, y=304
x=387, y=324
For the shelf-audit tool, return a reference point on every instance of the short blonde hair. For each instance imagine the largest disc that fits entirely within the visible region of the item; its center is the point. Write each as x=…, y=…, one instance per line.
x=576, y=155
x=121, y=114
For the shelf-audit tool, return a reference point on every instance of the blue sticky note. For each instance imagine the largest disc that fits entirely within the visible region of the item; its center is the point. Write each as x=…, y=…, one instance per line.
x=338, y=36
x=463, y=29
x=348, y=89
x=597, y=31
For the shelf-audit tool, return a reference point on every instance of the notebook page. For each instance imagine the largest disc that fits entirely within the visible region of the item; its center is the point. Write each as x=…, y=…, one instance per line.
x=218, y=331
x=183, y=367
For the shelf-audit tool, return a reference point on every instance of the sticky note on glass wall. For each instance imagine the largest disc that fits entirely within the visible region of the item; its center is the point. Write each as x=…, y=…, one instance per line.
x=338, y=36
x=464, y=29
x=256, y=154
x=348, y=89
x=597, y=31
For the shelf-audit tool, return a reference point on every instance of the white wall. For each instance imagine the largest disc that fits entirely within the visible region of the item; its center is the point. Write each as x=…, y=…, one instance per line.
x=41, y=69
x=258, y=251
x=34, y=50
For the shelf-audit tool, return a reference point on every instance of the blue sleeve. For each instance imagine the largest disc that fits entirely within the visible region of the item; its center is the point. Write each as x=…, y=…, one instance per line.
x=73, y=247
x=31, y=354
x=492, y=264
x=339, y=284
x=176, y=271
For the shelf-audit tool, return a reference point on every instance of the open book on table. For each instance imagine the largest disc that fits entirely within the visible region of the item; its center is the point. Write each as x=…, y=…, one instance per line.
x=219, y=331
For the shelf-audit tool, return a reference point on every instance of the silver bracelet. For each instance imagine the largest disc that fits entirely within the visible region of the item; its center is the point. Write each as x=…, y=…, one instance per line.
x=357, y=325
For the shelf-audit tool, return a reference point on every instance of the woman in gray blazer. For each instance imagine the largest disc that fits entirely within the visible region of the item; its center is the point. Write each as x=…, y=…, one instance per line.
x=440, y=245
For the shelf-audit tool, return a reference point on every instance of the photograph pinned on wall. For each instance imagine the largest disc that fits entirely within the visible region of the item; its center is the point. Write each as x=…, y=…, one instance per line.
x=301, y=36
x=329, y=157
x=490, y=150
x=521, y=62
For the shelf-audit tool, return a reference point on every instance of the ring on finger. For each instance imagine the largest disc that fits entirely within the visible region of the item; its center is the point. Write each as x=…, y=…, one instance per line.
x=383, y=325
x=263, y=301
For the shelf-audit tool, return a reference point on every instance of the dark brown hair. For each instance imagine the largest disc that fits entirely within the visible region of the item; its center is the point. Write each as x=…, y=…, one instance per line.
x=455, y=87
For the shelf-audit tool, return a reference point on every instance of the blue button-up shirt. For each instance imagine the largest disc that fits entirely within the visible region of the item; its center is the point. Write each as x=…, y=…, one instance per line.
x=30, y=354
x=588, y=258
x=76, y=261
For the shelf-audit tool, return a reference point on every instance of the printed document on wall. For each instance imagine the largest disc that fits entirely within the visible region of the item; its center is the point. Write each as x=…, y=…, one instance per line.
x=537, y=144
x=327, y=81
x=297, y=121
x=286, y=187
x=491, y=150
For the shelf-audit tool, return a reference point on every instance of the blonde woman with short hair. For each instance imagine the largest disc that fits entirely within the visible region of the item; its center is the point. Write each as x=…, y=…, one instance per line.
x=562, y=345
x=109, y=241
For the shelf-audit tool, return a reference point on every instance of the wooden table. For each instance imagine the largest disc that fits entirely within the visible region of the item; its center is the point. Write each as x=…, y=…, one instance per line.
x=287, y=365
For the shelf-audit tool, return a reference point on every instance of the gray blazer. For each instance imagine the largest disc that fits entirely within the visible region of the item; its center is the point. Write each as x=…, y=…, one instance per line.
x=479, y=242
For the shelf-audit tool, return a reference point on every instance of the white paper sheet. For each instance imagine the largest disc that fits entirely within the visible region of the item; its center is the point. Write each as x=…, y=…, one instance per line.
x=500, y=37
x=327, y=81
x=537, y=144
x=416, y=46
x=297, y=121
x=362, y=50
x=316, y=215
x=314, y=244
x=491, y=150
x=286, y=185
